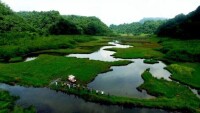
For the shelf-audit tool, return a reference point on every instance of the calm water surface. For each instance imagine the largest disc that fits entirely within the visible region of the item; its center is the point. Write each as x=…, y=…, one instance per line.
x=122, y=81
x=50, y=101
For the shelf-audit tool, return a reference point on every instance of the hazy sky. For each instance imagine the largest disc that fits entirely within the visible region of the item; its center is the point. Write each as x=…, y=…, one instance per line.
x=109, y=11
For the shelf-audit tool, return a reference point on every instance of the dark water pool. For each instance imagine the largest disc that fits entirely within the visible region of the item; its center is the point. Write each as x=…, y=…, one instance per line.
x=50, y=101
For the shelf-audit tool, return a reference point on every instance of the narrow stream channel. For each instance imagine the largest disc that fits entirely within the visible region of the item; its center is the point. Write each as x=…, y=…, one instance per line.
x=121, y=81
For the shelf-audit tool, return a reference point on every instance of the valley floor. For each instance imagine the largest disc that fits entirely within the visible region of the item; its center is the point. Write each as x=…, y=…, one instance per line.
x=183, y=63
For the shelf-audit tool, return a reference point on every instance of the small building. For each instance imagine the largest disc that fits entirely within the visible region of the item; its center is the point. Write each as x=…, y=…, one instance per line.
x=71, y=78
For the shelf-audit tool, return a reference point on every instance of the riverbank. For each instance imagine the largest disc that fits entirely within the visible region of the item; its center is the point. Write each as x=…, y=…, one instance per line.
x=47, y=68
x=169, y=95
x=7, y=104
x=177, y=93
x=186, y=73
x=16, y=50
x=143, y=47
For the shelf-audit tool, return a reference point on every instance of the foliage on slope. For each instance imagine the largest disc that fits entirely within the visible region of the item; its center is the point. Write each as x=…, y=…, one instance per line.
x=182, y=26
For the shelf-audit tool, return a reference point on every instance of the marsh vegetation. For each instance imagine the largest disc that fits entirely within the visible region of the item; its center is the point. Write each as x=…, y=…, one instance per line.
x=156, y=67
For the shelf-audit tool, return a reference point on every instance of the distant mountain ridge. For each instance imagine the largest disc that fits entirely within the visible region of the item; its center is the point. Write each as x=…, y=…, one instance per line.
x=182, y=26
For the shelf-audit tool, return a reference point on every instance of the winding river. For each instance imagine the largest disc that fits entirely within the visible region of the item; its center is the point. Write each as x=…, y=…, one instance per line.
x=121, y=81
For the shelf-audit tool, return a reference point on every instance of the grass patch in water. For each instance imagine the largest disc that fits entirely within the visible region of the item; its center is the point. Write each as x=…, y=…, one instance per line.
x=136, y=52
x=150, y=61
x=45, y=68
x=186, y=73
x=142, y=48
x=7, y=104
x=177, y=93
x=170, y=95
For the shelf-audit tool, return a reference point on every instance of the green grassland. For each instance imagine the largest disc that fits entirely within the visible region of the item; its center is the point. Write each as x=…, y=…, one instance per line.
x=176, y=92
x=143, y=47
x=7, y=104
x=166, y=49
x=170, y=95
x=150, y=61
x=180, y=50
x=83, y=47
x=186, y=73
x=46, y=68
x=14, y=49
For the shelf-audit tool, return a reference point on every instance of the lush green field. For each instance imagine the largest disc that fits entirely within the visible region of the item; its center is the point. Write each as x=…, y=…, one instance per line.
x=15, y=49
x=170, y=95
x=46, y=68
x=143, y=47
x=177, y=93
x=150, y=61
x=7, y=104
x=166, y=49
x=84, y=47
x=187, y=73
x=181, y=50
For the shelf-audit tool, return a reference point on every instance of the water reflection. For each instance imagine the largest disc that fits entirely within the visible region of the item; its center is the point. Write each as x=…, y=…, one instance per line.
x=102, y=54
x=50, y=101
x=123, y=80
x=29, y=59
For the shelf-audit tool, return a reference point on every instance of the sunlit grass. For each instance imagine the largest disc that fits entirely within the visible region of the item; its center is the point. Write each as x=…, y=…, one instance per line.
x=46, y=68
x=187, y=73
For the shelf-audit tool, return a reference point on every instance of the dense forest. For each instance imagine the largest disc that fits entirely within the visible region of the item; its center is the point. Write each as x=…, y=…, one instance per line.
x=25, y=32
x=145, y=26
x=182, y=26
x=88, y=25
x=49, y=22
x=39, y=49
x=11, y=22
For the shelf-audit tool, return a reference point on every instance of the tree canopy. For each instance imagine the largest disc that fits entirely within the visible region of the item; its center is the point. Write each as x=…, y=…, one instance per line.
x=89, y=25
x=49, y=22
x=11, y=22
x=182, y=26
x=137, y=28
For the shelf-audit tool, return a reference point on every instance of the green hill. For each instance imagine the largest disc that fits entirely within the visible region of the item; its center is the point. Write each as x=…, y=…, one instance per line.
x=89, y=25
x=137, y=28
x=11, y=22
x=182, y=26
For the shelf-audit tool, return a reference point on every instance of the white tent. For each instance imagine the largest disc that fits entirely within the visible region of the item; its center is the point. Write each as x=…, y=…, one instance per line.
x=71, y=78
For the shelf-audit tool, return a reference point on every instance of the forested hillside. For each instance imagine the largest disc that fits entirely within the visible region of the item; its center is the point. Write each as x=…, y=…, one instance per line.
x=25, y=32
x=49, y=22
x=52, y=22
x=89, y=25
x=136, y=28
x=182, y=26
x=11, y=22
